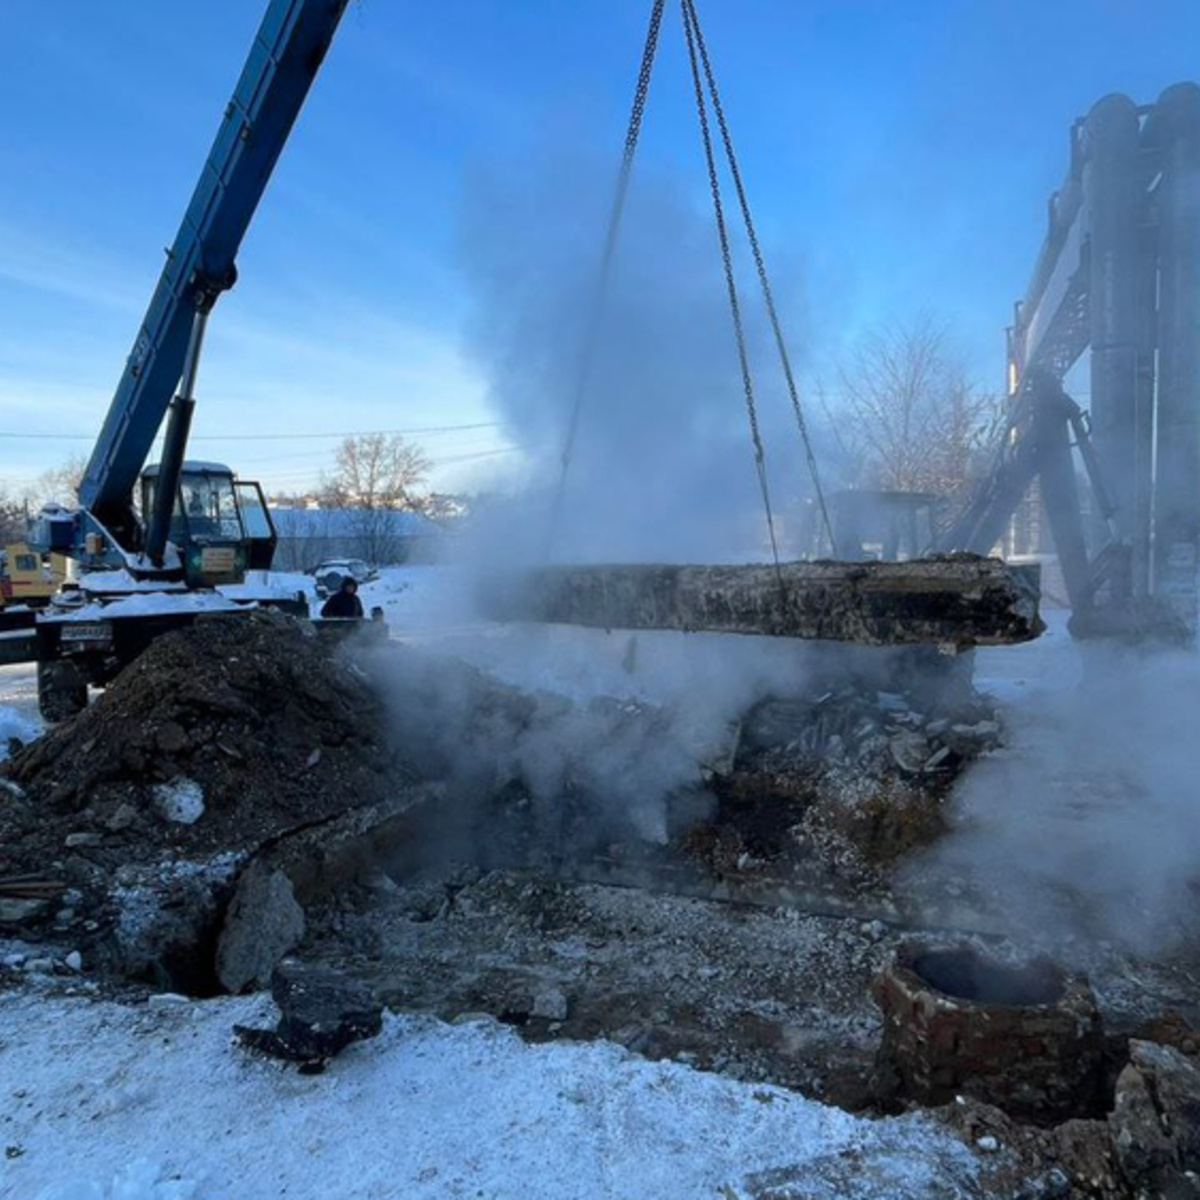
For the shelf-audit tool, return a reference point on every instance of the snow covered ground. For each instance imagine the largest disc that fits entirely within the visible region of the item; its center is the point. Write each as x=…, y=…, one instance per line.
x=155, y=1102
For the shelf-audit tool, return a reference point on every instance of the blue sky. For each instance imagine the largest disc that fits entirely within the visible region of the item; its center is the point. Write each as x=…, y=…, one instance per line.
x=899, y=155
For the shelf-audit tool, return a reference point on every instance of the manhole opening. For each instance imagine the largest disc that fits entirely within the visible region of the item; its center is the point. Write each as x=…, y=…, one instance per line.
x=965, y=975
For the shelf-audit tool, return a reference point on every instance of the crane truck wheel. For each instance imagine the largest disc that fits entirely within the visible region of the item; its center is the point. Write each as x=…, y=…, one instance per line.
x=62, y=690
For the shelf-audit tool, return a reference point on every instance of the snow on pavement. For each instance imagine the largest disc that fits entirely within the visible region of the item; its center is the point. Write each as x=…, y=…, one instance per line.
x=106, y=1102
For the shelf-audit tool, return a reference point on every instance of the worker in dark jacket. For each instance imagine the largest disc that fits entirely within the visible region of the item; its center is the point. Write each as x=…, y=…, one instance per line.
x=345, y=601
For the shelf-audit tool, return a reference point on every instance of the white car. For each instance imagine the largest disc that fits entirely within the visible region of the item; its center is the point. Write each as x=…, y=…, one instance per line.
x=332, y=571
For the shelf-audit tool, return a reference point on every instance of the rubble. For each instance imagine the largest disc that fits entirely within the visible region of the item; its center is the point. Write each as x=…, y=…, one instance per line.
x=959, y=599
x=1155, y=1122
x=321, y=1013
x=756, y=994
x=263, y=922
x=226, y=714
x=835, y=787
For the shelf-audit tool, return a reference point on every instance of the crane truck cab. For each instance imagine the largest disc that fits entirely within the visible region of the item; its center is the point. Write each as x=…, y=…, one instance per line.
x=220, y=526
x=220, y=535
x=872, y=524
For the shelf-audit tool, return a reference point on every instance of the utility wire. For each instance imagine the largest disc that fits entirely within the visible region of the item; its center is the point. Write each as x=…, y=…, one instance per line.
x=276, y=437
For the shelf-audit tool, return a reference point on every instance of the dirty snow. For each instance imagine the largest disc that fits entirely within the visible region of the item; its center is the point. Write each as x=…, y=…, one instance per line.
x=105, y=1102
x=139, y=902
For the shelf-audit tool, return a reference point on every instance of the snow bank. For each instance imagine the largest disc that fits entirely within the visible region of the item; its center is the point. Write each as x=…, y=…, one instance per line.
x=154, y=1103
x=422, y=598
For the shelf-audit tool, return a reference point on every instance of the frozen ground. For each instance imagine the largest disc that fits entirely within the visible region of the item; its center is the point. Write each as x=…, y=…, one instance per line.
x=106, y=1102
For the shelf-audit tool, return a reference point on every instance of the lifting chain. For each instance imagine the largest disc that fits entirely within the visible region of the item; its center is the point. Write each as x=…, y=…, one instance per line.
x=587, y=352
x=703, y=79
x=692, y=21
x=735, y=308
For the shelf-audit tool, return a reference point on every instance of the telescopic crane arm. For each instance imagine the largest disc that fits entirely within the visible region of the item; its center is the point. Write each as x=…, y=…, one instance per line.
x=283, y=61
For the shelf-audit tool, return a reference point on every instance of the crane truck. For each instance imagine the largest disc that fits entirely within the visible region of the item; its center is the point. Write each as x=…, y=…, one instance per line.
x=158, y=546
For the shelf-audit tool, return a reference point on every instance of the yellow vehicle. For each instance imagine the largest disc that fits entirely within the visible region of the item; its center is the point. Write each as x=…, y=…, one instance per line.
x=27, y=577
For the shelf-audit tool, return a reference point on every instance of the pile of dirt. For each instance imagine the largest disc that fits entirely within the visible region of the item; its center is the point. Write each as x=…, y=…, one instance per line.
x=241, y=742
x=220, y=737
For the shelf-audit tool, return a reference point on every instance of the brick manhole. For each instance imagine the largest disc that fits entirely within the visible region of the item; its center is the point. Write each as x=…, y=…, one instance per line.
x=1025, y=1037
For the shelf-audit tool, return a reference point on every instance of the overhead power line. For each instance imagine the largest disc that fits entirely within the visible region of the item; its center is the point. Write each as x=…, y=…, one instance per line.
x=423, y=430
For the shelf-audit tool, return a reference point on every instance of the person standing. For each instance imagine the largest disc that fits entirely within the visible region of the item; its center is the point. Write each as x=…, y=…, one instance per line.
x=344, y=602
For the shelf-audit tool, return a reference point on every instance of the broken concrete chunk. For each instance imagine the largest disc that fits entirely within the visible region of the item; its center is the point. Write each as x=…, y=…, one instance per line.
x=909, y=751
x=17, y=911
x=262, y=924
x=956, y=600
x=1155, y=1121
x=550, y=1004
x=124, y=816
x=322, y=1012
x=937, y=759
x=77, y=841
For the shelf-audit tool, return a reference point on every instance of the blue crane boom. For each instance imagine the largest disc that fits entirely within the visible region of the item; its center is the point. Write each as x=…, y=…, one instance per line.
x=283, y=61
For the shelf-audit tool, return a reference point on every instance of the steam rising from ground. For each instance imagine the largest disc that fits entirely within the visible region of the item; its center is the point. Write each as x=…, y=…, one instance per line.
x=662, y=470
x=662, y=467
x=620, y=722
x=1087, y=828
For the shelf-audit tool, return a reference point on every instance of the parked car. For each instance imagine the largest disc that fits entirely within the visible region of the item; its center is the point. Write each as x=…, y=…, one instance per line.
x=332, y=571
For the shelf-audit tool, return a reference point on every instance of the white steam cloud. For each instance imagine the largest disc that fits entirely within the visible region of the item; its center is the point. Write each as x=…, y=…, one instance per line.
x=1087, y=828
x=662, y=465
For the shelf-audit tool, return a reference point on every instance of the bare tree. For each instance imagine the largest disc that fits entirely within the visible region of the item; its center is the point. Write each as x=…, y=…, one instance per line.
x=376, y=470
x=908, y=417
x=58, y=485
x=376, y=477
x=13, y=520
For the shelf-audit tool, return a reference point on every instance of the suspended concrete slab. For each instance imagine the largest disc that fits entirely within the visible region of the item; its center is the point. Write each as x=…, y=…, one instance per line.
x=958, y=600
